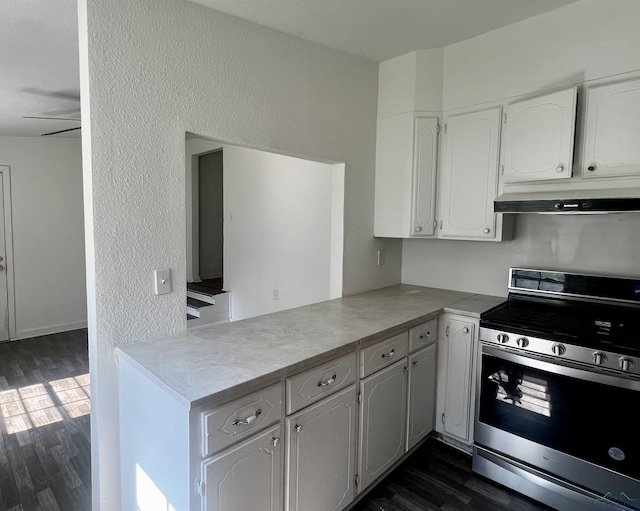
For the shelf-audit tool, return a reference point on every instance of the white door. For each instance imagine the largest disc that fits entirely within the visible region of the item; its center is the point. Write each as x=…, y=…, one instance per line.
x=470, y=174
x=612, y=130
x=539, y=139
x=4, y=310
x=422, y=394
x=246, y=477
x=382, y=421
x=321, y=459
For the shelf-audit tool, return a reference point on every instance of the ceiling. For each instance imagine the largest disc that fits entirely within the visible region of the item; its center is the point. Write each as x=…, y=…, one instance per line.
x=380, y=29
x=39, y=42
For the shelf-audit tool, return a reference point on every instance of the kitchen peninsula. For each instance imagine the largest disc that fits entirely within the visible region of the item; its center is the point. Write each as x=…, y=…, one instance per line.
x=201, y=408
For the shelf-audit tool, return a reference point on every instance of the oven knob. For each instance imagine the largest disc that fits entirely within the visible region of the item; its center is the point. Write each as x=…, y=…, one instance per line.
x=503, y=338
x=626, y=364
x=599, y=358
x=522, y=342
x=558, y=349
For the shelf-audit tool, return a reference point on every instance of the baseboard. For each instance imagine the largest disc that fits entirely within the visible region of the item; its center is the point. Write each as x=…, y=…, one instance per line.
x=53, y=329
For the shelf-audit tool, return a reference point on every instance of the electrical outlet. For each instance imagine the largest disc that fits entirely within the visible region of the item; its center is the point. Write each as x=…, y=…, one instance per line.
x=162, y=280
x=276, y=294
x=380, y=257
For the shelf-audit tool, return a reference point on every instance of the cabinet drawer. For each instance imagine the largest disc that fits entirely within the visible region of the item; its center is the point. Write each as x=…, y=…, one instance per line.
x=423, y=335
x=239, y=419
x=383, y=354
x=312, y=385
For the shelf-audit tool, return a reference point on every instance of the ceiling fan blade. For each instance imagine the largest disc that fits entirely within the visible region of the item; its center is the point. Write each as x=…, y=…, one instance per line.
x=52, y=118
x=61, y=131
x=66, y=95
x=75, y=112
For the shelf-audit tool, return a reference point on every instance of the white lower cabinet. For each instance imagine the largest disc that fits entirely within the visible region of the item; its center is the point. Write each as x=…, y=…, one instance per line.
x=382, y=421
x=246, y=477
x=321, y=457
x=456, y=358
x=422, y=394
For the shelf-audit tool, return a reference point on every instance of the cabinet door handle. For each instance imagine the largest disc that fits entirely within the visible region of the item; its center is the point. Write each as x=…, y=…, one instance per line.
x=248, y=420
x=486, y=230
x=275, y=441
x=418, y=229
x=465, y=330
x=328, y=382
x=298, y=428
x=559, y=168
x=392, y=353
x=591, y=167
x=415, y=363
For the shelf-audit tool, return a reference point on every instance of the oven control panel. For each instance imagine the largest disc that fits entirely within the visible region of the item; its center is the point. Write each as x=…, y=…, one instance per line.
x=581, y=354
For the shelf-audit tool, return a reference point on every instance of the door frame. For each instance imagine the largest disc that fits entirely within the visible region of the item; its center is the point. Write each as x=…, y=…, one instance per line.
x=5, y=171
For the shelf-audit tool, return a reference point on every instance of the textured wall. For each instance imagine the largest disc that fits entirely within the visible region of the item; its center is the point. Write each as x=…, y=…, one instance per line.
x=150, y=71
x=48, y=233
x=587, y=40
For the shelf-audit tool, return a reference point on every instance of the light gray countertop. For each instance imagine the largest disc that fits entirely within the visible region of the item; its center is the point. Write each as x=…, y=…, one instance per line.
x=214, y=363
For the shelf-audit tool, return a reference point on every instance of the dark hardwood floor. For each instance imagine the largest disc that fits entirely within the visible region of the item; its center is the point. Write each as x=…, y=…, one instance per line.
x=439, y=477
x=44, y=424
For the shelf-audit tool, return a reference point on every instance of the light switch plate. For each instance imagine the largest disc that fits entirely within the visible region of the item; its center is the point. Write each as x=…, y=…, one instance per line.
x=162, y=281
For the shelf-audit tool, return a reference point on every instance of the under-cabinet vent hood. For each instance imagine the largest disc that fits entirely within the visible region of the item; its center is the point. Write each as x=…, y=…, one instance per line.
x=567, y=202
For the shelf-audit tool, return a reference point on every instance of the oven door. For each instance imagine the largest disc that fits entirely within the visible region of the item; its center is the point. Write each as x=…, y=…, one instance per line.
x=565, y=420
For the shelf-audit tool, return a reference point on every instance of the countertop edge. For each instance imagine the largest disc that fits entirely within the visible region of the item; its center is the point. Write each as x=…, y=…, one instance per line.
x=468, y=306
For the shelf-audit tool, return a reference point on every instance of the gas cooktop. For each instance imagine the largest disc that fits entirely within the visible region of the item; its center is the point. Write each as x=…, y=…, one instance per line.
x=563, y=312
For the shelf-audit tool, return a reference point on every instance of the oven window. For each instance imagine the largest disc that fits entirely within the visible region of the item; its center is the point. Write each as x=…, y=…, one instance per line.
x=588, y=420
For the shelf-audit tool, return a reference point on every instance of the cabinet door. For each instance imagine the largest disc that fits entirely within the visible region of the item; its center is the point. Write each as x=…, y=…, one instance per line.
x=470, y=174
x=539, y=137
x=406, y=152
x=382, y=421
x=612, y=130
x=422, y=395
x=456, y=413
x=424, y=176
x=246, y=477
x=321, y=460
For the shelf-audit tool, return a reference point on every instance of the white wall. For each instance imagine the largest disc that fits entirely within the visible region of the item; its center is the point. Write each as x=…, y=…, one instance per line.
x=48, y=234
x=587, y=40
x=151, y=71
x=278, y=231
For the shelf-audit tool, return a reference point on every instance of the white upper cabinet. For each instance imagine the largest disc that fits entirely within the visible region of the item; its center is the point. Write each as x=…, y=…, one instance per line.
x=424, y=175
x=470, y=175
x=612, y=130
x=406, y=152
x=539, y=137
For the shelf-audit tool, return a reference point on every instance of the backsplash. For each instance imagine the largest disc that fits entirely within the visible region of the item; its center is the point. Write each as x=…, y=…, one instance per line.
x=601, y=244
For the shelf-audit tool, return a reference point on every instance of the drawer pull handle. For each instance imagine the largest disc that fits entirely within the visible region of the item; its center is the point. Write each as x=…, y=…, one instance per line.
x=392, y=353
x=327, y=382
x=248, y=420
x=425, y=336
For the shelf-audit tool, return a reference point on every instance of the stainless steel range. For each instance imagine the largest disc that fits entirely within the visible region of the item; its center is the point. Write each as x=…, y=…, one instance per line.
x=558, y=390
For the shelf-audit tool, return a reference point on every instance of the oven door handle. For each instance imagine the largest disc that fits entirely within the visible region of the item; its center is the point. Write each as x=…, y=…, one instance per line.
x=563, y=368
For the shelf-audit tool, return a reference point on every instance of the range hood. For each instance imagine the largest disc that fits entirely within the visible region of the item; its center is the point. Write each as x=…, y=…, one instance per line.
x=616, y=200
